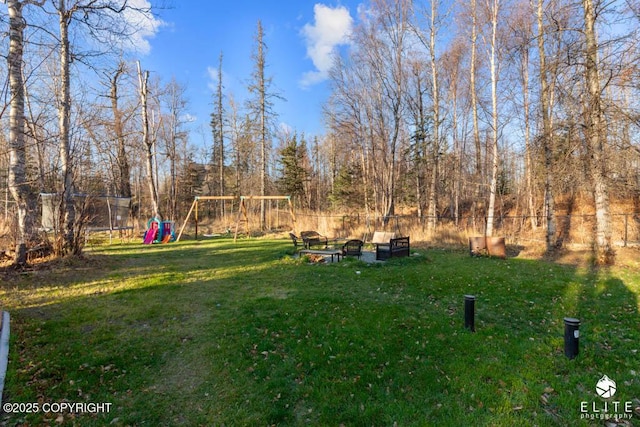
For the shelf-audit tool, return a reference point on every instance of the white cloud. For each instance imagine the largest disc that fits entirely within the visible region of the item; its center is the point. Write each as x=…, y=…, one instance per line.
x=212, y=78
x=145, y=26
x=285, y=128
x=331, y=28
x=188, y=118
x=212, y=84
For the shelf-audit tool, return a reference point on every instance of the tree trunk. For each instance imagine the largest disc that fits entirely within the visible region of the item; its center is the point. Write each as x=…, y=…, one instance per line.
x=494, y=103
x=531, y=207
x=67, y=208
x=474, y=91
x=17, y=156
x=547, y=134
x=432, y=203
x=123, y=186
x=260, y=89
x=38, y=141
x=220, y=114
x=478, y=191
x=143, y=79
x=595, y=135
x=364, y=165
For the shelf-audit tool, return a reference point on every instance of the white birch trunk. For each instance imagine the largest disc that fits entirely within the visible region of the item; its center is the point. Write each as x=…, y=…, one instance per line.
x=67, y=208
x=595, y=134
x=17, y=156
x=494, y=104
x=143, y=79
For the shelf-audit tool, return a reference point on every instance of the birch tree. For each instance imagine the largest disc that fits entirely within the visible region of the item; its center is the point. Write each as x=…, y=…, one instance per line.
x=434, y=24
x=473, y=89
x=422, y=133
x=596, y=136
x=547, y=130
x=382, y=52
x=522, y=28
x=17, y=181
x=104, y=20
x=494, y=12
x=453, y=67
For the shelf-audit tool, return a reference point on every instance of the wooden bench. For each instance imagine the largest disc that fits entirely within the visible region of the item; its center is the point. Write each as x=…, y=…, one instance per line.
x=313, y=238
x=389, y=246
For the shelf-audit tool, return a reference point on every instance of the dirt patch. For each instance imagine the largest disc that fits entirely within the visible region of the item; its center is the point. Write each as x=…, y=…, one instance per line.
x=315, y=259
x=67, y=268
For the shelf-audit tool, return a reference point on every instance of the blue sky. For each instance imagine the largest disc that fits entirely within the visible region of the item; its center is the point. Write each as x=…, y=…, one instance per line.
x=299, y=35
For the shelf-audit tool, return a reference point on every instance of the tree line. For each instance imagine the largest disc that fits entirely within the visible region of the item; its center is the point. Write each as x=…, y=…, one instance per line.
x=440, y=108
x=469, y=108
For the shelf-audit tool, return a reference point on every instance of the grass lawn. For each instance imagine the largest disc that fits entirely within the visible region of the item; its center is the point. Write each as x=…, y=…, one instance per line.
x=222, y=333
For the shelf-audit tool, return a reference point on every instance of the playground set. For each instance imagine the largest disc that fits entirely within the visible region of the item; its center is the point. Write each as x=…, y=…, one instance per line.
x=159, y=232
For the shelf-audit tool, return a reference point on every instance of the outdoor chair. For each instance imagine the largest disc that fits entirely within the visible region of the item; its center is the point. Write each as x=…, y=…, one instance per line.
x=353, y=248
x=295, y=239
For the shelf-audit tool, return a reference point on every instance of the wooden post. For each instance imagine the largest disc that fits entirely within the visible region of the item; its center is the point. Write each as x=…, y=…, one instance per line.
x=195, y=202
x=196, y=217
x=242, y=210
x=293, y=216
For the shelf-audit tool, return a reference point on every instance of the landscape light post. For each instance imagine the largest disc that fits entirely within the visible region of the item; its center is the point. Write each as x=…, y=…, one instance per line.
x=571, y=337
x=469, y=312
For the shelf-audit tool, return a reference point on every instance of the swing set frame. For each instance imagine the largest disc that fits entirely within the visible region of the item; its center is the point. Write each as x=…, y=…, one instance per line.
x=242, y=211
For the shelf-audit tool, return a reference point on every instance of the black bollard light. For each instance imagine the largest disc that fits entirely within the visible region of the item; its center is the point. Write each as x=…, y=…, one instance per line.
x=571, y=337
x=469, y=312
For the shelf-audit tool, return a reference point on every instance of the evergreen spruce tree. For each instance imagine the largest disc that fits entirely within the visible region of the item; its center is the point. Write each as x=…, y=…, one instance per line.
x=292, y=172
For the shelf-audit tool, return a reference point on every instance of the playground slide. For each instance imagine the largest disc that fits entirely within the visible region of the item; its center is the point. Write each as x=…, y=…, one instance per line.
x=149, y=236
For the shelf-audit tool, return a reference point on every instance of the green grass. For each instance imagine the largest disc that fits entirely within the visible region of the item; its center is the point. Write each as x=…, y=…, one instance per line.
x=222, y=333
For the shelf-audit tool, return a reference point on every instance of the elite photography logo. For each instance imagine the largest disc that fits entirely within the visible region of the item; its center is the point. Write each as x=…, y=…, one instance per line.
x=606, y=387
x=606, y=408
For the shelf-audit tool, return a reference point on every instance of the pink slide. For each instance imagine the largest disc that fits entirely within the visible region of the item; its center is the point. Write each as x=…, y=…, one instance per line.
x=151, y=233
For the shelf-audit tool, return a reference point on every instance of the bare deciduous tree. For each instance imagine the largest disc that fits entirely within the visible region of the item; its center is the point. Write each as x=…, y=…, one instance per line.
x=494, y=12
x=101, y=19
x=143, y=79
x=595, y=133
x=123, y=180
x=17, y=181
x=547, y=130
x=172, y=132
